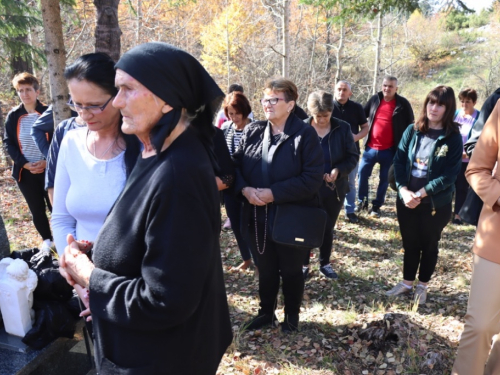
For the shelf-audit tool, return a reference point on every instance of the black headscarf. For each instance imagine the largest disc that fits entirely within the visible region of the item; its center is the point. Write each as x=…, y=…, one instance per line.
x=182, y=82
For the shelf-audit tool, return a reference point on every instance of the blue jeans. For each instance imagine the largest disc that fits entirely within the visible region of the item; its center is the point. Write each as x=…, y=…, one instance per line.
x=349, y=201
x=370, y=157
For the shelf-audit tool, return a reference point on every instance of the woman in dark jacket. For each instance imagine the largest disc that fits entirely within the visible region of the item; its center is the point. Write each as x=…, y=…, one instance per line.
x=29, y=163
x=295, y=173
x=156, y=287
x=340, y=158
x=426, y=165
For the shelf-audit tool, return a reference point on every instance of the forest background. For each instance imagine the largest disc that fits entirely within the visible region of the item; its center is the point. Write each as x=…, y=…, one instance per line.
x=348, y=327
x=423, y=43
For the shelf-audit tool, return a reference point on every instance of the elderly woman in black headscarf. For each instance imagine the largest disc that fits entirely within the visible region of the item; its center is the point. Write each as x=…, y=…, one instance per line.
x=156, y=287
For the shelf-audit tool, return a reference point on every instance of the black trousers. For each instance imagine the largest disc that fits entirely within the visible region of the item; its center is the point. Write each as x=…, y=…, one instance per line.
x=461, y=188
x=421, y=233
x=233, y=209
x=277, y=261
x=32, y=187
x=332, y=204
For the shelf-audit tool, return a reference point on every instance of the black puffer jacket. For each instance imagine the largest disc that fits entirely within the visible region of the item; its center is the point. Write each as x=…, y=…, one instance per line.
x=343, y=152
x=401, y=118
x=296, y=171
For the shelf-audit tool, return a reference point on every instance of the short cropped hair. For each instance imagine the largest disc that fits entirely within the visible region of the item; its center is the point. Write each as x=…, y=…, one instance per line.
x=391, y=78
x=239, y=102
x=285, y=86
x=468, y=93
x=25, y=78
x=235, y=87
x=319, y=102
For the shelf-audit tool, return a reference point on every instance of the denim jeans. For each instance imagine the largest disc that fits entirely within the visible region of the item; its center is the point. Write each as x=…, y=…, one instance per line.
x=349, y=201
x=370, y=157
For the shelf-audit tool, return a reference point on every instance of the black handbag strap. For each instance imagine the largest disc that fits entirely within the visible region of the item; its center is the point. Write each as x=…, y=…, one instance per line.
x=266, y=140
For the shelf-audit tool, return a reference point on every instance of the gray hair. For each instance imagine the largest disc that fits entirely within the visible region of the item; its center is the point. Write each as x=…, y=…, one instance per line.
x=320, y=101
x=391, y=78
x=345, y=83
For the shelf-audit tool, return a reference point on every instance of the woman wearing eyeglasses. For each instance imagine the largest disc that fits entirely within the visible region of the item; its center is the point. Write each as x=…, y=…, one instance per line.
x=295, y=173
x=94, y=160
x=29, y=162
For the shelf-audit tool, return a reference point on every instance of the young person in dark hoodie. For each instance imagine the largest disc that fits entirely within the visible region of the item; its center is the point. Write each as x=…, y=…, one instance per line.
x=29, y=163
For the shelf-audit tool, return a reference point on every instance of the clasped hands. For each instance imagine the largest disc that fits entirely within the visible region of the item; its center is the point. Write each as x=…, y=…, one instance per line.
x=76, y=267
x=36, y=167
x=332, y=176
x=410, y=198
x=258, y=196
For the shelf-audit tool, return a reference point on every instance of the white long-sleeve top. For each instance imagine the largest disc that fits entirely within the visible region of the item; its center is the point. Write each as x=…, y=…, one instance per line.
x=85, y=188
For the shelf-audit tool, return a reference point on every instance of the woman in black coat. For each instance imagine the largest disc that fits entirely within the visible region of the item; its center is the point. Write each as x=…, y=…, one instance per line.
x=340, y=158
x=295, y=173
x=156, y=287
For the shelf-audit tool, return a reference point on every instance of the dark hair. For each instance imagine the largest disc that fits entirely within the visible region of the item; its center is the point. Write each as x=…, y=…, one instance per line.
x=443, y=95
x=468, y=93
x=285, y=86
x=239, y=102
x=235, y=87
x=25, y=79
x=97, y=68
x=319, y=102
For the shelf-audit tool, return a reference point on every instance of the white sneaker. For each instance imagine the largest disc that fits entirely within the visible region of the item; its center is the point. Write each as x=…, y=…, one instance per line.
x=420, y=295
x=398, y=290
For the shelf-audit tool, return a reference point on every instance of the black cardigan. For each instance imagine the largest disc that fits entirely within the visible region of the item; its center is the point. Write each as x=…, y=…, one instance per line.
x=296, y=171
x=157, y=294
x=11, y=141
x=343, y=152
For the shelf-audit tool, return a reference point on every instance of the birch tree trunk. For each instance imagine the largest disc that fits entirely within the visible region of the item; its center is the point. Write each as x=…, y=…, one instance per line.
x=378, y=47
x=138, y=28
x=286, y=38
x=56, y=58
x=107, y=31
x=340, y=51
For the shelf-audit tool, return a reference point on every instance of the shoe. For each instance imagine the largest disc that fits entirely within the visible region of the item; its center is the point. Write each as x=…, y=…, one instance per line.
x=290, y=324
x=47, y=245
x=352, y=218
x=398, y=290
x=420, y=295
x=260, y=321
x=361, y=206
x=227, y=225
x=305, y=272
x=328, y=272
x=375, y=211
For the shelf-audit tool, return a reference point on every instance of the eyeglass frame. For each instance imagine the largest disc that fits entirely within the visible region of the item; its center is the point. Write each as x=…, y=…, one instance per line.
x=80, y=109
x=268, y=101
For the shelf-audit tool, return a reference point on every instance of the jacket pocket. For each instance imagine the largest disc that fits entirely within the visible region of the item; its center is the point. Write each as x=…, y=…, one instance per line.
x=109, y=368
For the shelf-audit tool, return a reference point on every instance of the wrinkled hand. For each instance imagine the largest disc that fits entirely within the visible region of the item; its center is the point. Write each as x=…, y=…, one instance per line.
x=36, y=167
x=409, y=198
x=265, y=195
x=83, y=293
x=250, y=194
x=74, y=265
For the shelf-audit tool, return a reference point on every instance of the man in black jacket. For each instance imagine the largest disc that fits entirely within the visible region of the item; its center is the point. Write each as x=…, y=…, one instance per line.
x=389, y=114
x=352, y=113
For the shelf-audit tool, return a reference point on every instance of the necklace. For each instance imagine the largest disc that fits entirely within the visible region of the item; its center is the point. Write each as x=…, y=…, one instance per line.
x=106, y=151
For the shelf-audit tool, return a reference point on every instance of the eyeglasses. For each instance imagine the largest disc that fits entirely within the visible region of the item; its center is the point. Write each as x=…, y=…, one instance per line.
x=94, y=109
x=272, y=101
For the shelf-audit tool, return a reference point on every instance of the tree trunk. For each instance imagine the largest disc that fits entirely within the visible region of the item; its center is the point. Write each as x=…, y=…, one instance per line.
x=138, y=28
x=286, y=38
x=340, y=51
x=56, y=58
x=107, y=31
x=19, y=64
x=378, y=47
x=328, y=46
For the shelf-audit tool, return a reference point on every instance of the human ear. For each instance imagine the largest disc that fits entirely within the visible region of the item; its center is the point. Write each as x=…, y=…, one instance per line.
x=166, y=108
